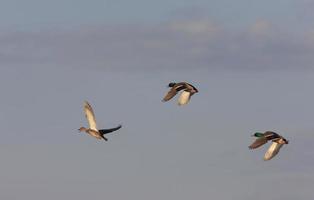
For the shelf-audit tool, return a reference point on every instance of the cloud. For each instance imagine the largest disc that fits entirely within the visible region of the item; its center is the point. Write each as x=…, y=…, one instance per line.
x=261, y=28
x=185, y=44
x=199, y=27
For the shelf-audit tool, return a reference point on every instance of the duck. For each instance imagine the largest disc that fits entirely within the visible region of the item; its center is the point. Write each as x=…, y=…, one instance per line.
x=93, y=130
x=185, y=96
x=262, y=138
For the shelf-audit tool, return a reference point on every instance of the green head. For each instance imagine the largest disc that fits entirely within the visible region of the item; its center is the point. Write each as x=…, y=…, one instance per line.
x=258, y=134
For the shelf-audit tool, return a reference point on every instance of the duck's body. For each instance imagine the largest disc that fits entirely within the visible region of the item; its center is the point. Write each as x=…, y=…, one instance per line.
x=93, y=130
x=277, y=142
x=263, y=138
x=185, y=96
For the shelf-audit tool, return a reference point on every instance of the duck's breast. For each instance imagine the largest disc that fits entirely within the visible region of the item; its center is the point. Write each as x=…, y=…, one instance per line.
x=184, y=98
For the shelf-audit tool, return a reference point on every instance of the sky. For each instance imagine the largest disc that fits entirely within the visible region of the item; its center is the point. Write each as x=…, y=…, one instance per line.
x=252, y=62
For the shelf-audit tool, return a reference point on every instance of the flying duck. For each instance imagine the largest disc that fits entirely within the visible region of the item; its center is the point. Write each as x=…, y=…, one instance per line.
x=262, y=138
x=92, y=130
x=188, y=91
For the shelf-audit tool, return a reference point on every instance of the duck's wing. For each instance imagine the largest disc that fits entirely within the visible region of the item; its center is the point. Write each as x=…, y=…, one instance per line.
x=90, y=116
x=105, y=131
x=271, y=135
x=258, y=142
x=184, y=98
x=174, y=90
x=272, y=150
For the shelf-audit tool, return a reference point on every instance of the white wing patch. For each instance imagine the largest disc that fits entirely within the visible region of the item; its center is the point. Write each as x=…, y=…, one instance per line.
x=90, y=116
x=184, y=98
x=272, y=150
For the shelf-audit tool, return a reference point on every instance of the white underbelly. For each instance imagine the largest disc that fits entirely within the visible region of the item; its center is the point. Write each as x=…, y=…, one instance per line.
x=184, y=98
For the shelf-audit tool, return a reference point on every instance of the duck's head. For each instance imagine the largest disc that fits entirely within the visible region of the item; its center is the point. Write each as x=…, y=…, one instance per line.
x=171, y=84
x=258, y=134
x=82, y=129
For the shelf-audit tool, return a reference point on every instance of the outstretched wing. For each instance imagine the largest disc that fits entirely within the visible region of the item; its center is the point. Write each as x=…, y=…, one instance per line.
x=173, y=91
x=258, y=142
x=184, y=98
x=105, y=131
x=90, y=116
x=272, y=150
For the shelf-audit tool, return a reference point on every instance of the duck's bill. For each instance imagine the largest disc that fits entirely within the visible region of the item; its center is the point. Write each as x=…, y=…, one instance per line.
x=81, y=129
x=272, y=151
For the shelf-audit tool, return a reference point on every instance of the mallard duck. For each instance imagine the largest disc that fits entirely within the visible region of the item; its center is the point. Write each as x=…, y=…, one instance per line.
x=262, y=138
x=188, y=91
x=92, y=130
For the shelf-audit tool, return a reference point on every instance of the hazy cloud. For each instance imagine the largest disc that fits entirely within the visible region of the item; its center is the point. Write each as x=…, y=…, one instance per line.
x=261, y=27
x=201, y=27
x=177, y=44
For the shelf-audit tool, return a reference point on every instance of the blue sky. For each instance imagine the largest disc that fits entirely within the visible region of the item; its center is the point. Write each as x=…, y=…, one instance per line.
x=252, y=62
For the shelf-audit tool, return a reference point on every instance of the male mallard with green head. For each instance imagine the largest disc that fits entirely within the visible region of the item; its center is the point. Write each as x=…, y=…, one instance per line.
x=262, y=138
x=188, y=91
x=92, y=130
